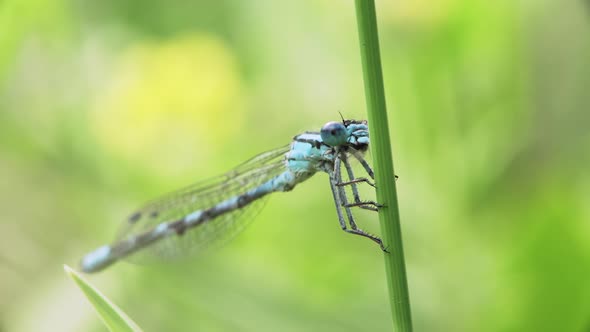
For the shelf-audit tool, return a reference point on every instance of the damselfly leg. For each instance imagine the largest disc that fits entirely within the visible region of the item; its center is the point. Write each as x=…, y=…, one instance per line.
x=341, y=201
x=367, y=205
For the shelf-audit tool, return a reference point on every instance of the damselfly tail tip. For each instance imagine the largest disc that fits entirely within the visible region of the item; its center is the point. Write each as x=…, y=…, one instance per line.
x=96, y=260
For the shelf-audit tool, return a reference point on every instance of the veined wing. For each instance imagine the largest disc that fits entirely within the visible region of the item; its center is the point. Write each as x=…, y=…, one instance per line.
x=203, y=195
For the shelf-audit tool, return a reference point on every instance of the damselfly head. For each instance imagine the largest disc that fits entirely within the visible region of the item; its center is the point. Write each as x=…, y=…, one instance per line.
x=334, y=133
x=348, y=132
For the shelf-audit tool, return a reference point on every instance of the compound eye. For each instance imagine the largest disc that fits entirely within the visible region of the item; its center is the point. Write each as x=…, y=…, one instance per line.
x=334, y=134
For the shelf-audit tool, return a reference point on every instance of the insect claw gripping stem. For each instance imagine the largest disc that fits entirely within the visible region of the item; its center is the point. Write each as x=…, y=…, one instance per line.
x=367, y=235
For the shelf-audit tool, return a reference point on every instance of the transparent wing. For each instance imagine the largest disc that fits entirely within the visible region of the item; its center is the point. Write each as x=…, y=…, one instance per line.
x=203, y=195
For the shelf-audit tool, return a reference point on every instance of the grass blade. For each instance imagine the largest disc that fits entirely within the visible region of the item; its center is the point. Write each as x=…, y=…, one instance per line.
x=113, y=317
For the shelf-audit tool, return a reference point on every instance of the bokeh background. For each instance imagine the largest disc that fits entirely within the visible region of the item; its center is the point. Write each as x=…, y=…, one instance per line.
x=105, y=104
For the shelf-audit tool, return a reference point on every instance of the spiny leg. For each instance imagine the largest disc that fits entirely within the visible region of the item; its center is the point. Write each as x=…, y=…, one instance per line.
x=354, y=229
x=363, y=162
x=367, y=205
x=366, y=165
x=333, y=182
x=342, y=192
x=343, y=202
x=361, y=159
x=355, y=192
x=368, y=236
x=357, y=180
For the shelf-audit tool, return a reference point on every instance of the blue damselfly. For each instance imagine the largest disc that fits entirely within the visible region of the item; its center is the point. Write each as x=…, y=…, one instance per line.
x=198, y=215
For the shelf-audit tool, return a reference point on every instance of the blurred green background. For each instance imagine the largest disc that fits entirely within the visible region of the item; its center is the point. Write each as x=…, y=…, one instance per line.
x=104, y=104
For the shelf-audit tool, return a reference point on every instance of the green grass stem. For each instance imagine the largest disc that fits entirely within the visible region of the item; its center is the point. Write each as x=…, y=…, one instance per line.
x=383, y=163
x=112, y=316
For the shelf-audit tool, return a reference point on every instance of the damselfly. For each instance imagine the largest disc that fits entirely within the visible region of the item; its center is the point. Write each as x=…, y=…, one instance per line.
x=203, y=213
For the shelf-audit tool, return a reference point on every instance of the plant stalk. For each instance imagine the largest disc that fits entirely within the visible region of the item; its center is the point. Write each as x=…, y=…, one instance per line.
x=383, y=164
